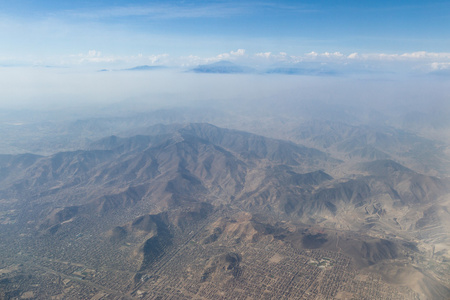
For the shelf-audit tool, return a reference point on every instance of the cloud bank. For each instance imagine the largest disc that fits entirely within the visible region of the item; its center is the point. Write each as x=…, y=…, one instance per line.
x=420, y=62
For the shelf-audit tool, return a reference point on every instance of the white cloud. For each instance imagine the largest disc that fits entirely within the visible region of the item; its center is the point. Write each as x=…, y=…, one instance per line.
x=93, y=56
x=96, y=58
x=411, y=56
x=413, y=61
x=232, y=55
x=264, y=54
x=239, y=52
x=94, y=53
x=426, y=55
x=332, y=55
x=191, y=60
x=158, y=59
x=417, y=62
x=440, y=66
x=328, y=55
x=312, y=54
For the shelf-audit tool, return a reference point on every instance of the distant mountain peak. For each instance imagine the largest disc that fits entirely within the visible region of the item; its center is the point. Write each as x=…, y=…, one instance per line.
x=222, y=67
x=144, y=68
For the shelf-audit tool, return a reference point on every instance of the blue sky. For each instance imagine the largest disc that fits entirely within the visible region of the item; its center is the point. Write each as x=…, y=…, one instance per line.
x=52, y=51
x=51, y=32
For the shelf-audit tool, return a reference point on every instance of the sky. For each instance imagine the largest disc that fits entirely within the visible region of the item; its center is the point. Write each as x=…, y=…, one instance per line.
x=344, y=38
x=177, y=32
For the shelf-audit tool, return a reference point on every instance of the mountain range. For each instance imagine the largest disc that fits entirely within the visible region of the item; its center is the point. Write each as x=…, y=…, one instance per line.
x=136, y=203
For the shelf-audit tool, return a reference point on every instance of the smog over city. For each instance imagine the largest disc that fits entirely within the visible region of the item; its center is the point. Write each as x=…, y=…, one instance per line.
x=224, y=149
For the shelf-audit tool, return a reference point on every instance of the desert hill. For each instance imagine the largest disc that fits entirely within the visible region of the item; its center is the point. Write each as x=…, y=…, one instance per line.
x=139, y=203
